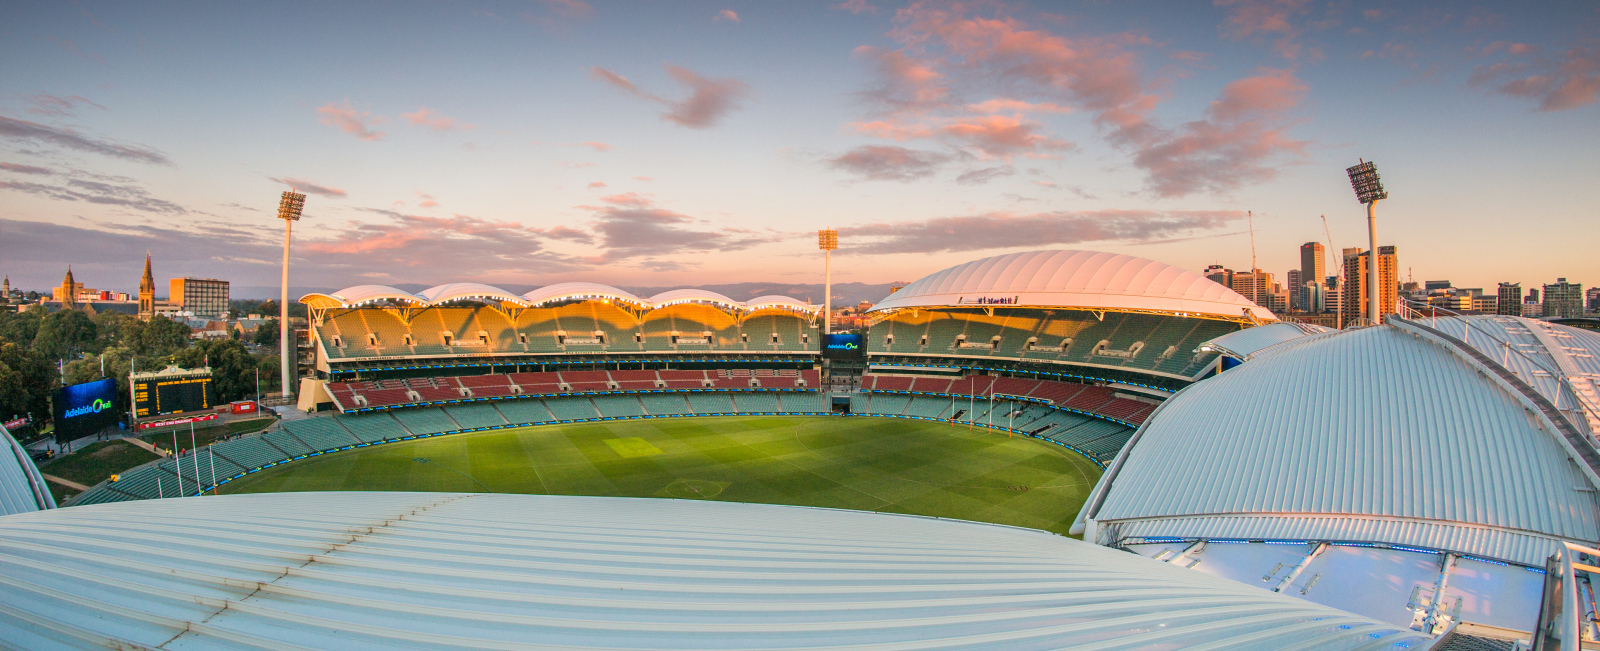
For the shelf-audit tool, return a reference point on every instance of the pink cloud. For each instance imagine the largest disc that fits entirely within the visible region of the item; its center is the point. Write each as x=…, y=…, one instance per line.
x=857, y=7
x=454, y=245
x=1001, y=136
x=728, y=15
x=58, y=106
x=643, y=178
x=18, y=168
x=597, y=146
x=1262, y=18
x=631, y=226
x=889, y=163
x=427, y=118
x=597, y=184
x=310, y=187
x=908, y=84
x=1556, y=84
x=1003, y=230
x=708, y=102
x=426, y=200
x=349, y=120
x=1242, y=134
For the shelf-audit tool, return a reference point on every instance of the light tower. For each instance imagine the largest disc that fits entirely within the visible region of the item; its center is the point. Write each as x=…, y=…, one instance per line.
x=1369, y=189
x=827, y=240
x=289, y=208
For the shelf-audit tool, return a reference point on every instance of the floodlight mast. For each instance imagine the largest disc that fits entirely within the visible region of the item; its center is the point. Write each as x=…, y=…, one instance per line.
x=827, y=240
x=1369, y=189
x=289, y=208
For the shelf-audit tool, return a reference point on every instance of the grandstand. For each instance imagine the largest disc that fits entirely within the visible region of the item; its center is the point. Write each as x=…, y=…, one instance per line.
x=1072, y=313
x=374, y=332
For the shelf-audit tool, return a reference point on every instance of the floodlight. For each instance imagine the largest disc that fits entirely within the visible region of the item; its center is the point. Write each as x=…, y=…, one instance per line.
x=290, y=206
x=828, y=239
x=1368, y=186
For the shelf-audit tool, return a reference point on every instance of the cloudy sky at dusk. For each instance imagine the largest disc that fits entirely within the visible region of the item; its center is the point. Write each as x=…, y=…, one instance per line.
x=660, y=143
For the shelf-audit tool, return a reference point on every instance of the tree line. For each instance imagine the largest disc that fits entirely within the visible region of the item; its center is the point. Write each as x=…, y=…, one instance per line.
x=39, y=351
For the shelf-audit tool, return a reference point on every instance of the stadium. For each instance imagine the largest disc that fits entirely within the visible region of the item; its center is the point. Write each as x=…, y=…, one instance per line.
x=1239, y=482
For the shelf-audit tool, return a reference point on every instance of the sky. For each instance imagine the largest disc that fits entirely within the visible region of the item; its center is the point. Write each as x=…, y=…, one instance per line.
x=688, y=143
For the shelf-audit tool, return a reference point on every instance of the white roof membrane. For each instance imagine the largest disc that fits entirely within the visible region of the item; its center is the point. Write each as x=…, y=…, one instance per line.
x=1077, y=279
x=377, y=570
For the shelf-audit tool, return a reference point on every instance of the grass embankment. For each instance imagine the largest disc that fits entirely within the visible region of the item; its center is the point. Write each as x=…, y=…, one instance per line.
x=92, y=464
x=869, y=464
x=95, y=463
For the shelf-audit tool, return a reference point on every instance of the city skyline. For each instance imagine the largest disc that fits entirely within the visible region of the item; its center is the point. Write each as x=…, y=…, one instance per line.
x=705, y=143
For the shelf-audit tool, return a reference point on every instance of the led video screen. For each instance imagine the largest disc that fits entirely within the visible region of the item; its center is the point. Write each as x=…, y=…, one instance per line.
x=843, y=346
x=83, y=409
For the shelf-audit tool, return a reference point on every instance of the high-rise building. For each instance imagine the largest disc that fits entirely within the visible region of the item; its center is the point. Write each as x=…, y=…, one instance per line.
x=1314, y=297
x=1294, y=289
x=205, y=298
x=1255, y=285
x=1592, y=299
x=1357, y=284
x=1218, y=274
x=1563, y=299
x=1510, y=299
x=1313, y=265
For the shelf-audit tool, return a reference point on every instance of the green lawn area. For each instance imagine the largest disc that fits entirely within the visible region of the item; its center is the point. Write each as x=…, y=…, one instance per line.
x=870, y=464
x=205, y=435
x=93, y=464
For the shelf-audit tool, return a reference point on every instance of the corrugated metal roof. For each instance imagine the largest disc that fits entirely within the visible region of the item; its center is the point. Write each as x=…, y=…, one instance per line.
x=380, y=570
x=1562, y=363
x=1244, y=344
x=1368, y=422
x=1082, y=279
x=22, y=489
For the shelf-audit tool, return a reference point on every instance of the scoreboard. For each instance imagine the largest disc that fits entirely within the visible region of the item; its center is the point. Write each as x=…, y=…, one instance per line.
x=159, y=396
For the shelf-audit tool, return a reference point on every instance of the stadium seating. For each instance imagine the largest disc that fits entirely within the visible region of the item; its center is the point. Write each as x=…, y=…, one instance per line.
x=760, y=403
x=475, y=415
x=320, y=433
x=522, y=412
x=371, y=428
x=665, y=404
x=711, y=403
x=569, y=409
x=805, y=402
x=618, y=406
x=581, y=381
x=683, y=379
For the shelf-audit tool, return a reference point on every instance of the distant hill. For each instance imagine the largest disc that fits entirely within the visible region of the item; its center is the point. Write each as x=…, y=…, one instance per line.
x=844, y=294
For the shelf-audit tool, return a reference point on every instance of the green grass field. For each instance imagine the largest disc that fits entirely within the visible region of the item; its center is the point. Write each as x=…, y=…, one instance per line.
x=869, y=464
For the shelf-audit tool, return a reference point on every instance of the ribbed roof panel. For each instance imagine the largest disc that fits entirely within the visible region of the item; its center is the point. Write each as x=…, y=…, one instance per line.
x=22, y=489
x=1245, y=343
x=377, y=570
x=1079, y=279
x=1368, y=422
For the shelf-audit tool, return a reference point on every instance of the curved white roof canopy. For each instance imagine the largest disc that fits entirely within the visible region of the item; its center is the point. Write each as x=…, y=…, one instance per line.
x=1371, y=435
x=691, y=295
x=775, y=301
x=379, y=570
x=368, y=294
x=363, y=295
x=570, y=291
x=1076, y=279
x=477, y=291
x=1244, y=344
x=22, y=488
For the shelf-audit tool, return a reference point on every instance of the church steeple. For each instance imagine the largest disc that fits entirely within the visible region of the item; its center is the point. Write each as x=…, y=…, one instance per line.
x=147, y=291
x=69, y=290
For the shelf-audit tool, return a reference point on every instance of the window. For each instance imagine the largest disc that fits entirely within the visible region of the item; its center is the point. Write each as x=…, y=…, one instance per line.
x=409, y=341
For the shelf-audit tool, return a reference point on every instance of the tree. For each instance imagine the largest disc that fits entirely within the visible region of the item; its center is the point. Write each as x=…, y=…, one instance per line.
x=233, y=369
x=266, y=333
x=65, y=333
x=161, y=337
x=27, y=380
x=20, y=327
